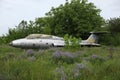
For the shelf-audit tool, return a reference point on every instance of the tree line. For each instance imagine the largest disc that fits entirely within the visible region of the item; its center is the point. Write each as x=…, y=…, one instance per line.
x=76, y=18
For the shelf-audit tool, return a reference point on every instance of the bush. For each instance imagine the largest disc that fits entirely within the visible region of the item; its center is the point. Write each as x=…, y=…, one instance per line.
x=71, y=42
x=111, y=39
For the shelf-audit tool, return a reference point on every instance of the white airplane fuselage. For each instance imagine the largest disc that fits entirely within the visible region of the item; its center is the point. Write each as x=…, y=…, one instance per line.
x=37, y=43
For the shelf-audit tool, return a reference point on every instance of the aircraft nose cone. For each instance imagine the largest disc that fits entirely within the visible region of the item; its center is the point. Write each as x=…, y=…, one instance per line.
x=10, y=43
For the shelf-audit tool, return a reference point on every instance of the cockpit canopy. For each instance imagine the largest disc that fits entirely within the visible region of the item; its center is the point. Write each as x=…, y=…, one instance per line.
x=36, y=36
x=42, y=36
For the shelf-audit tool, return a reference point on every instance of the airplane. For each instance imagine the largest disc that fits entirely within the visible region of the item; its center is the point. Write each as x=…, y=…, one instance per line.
x=46, y=41
x=38, y=41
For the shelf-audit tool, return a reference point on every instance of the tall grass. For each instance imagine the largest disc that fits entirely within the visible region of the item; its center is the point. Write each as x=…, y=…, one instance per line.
x=57, y=64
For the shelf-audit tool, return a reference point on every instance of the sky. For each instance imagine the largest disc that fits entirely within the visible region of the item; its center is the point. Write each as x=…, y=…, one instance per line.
x=12, y=12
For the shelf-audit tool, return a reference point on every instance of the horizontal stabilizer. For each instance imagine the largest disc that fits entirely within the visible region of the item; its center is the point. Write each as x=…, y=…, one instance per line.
x=99, y=32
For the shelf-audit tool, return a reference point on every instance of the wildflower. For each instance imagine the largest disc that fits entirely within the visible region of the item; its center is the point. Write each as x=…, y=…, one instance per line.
x=80, y=66
x=59, y=74
x=77, y=70
x=64, y=57
x=30, y=52
x=57, y=54
x=111, y=51
x=11, y=55
x=69, y=55
x=96, y=59
x=94, y=56
x=21, y=57
x=31, y=58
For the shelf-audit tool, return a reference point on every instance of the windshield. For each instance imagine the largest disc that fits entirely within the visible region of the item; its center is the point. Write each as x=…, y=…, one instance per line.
x=36, y=36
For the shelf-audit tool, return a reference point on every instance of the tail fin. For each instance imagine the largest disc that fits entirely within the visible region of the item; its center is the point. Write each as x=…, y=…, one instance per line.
x=93, y=38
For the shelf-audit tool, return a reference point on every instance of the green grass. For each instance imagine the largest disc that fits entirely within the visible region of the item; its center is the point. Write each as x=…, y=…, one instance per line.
x=88, y=64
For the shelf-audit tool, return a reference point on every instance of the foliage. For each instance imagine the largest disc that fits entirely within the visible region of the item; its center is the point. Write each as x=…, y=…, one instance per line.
x=3, y=39
x=75, y=18
x=71, y=42
x=113, y=26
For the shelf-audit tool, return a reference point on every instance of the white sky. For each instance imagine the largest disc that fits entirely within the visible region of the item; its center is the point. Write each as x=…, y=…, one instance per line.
x=13, y=11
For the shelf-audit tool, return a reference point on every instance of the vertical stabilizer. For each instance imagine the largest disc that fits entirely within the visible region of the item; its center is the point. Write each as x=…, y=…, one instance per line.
x=93, y=38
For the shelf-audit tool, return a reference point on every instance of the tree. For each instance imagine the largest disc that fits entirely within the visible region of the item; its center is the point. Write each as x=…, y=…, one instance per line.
x=74, y=18
x=113, y=25
x=42, y=25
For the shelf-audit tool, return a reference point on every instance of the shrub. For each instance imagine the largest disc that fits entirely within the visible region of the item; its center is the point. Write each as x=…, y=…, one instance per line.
x=71, y=42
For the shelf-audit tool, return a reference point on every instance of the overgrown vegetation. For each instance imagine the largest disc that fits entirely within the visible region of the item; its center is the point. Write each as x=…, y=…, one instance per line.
x=113, y=38
x=71, y=43
x=56, y=64
x=76, y=18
